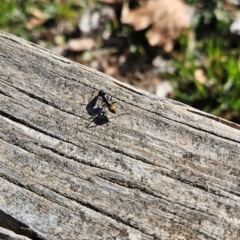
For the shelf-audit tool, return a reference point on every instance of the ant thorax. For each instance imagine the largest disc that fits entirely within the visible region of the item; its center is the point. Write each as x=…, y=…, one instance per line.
x=107, y=101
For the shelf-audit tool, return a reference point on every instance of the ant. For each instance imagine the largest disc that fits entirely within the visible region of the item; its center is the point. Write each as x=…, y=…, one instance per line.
x=97, y=112
x=107, y=101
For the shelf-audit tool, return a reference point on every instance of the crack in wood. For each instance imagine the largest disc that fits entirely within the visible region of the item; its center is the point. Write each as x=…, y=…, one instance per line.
x=10, y=223
x=217, y=119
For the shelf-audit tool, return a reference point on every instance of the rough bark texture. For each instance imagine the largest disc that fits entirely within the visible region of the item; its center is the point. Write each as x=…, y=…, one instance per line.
x=157, y=169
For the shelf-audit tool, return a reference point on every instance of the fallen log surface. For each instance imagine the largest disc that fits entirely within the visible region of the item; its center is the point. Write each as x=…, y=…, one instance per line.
x=71, y=169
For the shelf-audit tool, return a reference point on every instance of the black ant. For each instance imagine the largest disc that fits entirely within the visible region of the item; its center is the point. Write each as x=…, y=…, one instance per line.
x=107, y=101
x=98, y=113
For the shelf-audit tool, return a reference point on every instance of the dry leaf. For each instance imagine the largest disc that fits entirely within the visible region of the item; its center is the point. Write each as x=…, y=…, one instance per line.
x=235, y=26
x=163, y=89
x=111, y=1
x=37, y=19
x=200, y=76
x=80, y=44
x=141, y=17
x=168, y=19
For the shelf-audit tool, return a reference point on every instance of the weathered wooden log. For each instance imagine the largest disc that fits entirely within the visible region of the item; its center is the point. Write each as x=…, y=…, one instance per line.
x=71, y=169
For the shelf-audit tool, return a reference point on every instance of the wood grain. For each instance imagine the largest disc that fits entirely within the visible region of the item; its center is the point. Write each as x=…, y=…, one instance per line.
x=157, y=169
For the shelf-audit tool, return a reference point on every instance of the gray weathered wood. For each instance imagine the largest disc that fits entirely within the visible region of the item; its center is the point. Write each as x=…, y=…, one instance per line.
x=158, y=169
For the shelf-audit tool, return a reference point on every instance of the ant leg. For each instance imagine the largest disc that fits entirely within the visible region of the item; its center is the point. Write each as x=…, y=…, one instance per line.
x=118, y=104
x=104, y=106
x=110, y=99
x=92, y=91
x=87, y=126
x=101, y=102
x=126, y=113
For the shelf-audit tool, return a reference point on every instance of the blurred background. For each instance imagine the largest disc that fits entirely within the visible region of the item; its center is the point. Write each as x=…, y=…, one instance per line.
x=185, y=50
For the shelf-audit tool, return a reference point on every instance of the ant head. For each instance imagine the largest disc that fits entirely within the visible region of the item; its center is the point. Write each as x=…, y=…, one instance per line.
x=112, y=108
x=101, y=93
